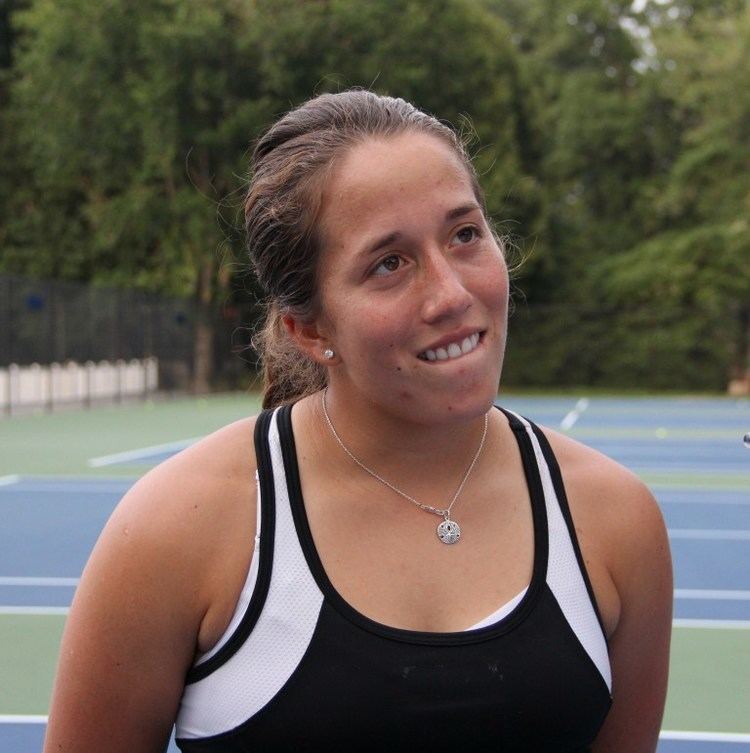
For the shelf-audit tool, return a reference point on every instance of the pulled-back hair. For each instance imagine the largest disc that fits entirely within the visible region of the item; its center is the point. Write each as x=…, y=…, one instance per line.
x=290, y=164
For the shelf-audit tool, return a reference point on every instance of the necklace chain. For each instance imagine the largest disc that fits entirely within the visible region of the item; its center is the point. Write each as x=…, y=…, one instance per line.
x=443, y=512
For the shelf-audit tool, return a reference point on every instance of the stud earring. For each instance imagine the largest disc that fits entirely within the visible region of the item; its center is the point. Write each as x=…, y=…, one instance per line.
x=328, y=354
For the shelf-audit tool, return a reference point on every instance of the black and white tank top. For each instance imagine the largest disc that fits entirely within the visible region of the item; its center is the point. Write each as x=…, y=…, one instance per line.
x=299, y=669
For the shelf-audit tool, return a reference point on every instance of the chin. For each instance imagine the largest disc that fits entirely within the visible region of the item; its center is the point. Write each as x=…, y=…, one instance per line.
x=469, y=403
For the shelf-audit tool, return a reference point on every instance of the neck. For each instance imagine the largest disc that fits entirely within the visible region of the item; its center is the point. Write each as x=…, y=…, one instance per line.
x=394, y=446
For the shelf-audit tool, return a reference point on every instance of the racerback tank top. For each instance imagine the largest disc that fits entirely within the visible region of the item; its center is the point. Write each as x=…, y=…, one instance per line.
x=299, y=669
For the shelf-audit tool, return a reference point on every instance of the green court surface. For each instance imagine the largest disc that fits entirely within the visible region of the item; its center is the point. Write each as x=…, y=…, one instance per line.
x=28, y=655
x=62, y=443
x=708, y=680
x=709, y=686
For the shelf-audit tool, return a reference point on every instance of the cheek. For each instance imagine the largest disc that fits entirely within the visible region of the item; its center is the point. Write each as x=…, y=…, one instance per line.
x=379, y=345
x=385, y=326
x=492, y=285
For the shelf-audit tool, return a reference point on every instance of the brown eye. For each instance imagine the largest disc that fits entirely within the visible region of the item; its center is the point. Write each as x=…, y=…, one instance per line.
x=389, y=264
x=466, y=234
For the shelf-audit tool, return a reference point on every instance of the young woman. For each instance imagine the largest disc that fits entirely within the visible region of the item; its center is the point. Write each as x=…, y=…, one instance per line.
x=429, y=572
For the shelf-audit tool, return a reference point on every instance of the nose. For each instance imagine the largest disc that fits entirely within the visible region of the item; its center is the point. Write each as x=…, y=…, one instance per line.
x=444, y=292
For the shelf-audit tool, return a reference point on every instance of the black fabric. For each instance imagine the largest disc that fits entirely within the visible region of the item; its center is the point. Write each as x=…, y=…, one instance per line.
x=524, y=685
x=354, y=691
x=265, y=563
x=562, y=497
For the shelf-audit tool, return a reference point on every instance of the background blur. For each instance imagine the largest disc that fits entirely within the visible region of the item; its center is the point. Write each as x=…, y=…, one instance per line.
x=613, y=140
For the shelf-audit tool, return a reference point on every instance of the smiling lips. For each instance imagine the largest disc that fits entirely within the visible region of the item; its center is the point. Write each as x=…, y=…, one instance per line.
x=453, y=350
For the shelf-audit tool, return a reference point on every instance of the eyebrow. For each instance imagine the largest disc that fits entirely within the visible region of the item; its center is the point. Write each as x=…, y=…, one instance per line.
x=386, y=240
x=454, y=214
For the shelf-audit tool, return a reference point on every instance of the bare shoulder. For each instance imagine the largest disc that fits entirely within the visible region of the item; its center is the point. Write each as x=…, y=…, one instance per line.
x=197, y=489
x=159, y=586
x=197, y=512
x=607, y=498
x=619, y=527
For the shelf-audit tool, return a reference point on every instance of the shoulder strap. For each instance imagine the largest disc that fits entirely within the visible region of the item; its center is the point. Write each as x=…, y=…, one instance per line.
x=537, y=495
x=567, y=577
x=562, y=500
x=267, y=525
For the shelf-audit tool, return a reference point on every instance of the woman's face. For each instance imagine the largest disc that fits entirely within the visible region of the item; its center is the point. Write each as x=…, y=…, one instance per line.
x=413, y=285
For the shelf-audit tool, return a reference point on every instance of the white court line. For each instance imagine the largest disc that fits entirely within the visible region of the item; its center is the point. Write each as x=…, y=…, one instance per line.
x=711, y=624
x=30, y=488
x=698, y=593
x=572, y=416
x=55, y=582
x=679, y=487
x=679, y=593
x=72, y=477
x=22, y=719
x=13, y=478
x=712, y=737
x=713, y=534
x=41, y=611
x=678, y=623
x=141, y=452
x=667, y=734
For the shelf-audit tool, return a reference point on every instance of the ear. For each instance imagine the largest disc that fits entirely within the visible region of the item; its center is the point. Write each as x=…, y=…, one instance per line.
x=310, y=339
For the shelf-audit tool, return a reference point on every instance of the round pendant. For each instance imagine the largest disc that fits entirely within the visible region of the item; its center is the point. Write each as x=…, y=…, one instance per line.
x=449, y=532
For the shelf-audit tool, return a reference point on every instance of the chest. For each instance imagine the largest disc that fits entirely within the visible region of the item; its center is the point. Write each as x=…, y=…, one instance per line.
x=383, y=555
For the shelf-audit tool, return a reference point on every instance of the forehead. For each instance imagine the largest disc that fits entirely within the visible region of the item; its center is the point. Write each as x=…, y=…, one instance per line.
x=382, y=184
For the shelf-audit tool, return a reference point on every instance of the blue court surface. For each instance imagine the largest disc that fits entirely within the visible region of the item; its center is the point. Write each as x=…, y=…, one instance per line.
x=689, y=451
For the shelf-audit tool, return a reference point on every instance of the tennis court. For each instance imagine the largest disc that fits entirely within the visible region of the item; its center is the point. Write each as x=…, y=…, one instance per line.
x=62, y=474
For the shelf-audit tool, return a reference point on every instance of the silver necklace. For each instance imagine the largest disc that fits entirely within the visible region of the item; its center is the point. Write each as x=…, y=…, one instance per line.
x=448, y=530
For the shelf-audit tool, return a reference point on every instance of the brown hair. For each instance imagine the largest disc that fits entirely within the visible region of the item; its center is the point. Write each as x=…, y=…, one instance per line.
x=289, y=166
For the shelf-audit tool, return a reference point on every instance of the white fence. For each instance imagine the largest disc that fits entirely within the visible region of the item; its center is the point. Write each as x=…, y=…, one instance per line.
x=37, y=386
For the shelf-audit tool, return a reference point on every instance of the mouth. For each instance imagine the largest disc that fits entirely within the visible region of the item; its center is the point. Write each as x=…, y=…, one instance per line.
x=453, y=350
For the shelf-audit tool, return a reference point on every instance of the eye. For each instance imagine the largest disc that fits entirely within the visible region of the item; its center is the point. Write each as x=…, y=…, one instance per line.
x=467, y=234
x=387, y=265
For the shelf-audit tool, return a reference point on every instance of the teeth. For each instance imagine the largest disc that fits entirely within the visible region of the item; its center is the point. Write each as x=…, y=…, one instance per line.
x=454, y=350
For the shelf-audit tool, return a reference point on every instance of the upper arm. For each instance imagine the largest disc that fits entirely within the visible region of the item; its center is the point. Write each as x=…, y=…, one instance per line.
x=626, y=550
x=641, y=570
x=143, y=601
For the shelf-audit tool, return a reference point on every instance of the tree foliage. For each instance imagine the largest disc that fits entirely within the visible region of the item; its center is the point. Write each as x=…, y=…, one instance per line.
x=697, y=253
x=613, y=147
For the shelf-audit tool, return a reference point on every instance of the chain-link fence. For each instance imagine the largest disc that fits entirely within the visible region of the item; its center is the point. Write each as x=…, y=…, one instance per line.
x=46, y=322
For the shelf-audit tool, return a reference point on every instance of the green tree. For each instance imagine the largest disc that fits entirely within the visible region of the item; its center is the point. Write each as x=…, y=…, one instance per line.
x=450, y=57
x=696, y=259
x=148, y=108
x=584, y=140
x=134, y=118
x=9, y=166
x=614, y=144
